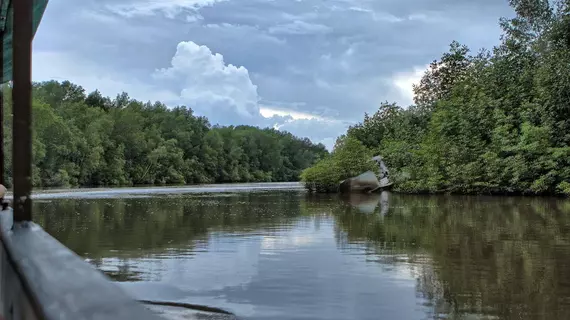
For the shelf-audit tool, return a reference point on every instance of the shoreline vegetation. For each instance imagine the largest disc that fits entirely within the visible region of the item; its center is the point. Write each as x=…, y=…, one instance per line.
x=88, y=140
x=493, y=122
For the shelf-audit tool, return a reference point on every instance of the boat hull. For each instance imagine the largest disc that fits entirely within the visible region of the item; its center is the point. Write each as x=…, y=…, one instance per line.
x=366, y=182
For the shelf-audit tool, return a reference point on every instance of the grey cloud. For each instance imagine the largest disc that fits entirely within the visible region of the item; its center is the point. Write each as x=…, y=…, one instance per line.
x=333, y=58
x=170, y=8
x=386, y=37
x=299, y=27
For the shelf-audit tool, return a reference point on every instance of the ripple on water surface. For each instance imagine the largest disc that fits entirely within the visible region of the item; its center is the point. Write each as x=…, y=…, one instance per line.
x=285, y=254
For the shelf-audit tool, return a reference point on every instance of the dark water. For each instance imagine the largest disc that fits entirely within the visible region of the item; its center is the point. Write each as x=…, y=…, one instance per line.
x=289, y=255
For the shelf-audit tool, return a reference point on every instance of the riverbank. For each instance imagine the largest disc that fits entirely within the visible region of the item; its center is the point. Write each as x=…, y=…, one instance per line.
x=352, y=158
x=503, y=193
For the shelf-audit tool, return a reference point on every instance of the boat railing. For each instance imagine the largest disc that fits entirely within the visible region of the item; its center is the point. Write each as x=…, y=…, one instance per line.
x=43, y=279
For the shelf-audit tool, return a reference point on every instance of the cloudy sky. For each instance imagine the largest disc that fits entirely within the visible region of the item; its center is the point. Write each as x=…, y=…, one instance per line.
x=311, y=67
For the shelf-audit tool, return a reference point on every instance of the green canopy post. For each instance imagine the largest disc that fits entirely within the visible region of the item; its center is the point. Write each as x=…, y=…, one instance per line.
x=2, y=159
x=19, y=21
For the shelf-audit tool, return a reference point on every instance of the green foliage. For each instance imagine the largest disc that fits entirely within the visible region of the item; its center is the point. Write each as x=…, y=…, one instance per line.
x=350, y=158
x=91, y=140
x=494, y=122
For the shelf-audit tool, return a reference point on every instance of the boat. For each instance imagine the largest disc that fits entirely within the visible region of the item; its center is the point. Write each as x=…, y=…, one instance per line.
x=368, y=181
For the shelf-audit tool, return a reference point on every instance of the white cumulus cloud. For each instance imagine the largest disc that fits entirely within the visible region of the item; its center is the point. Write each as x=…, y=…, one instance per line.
x=208, y=84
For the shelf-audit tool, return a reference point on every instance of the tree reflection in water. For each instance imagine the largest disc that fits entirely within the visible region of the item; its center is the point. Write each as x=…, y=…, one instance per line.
x=487, y=257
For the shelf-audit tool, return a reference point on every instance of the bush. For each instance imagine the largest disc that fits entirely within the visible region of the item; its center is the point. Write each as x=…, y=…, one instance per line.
x=350, y=158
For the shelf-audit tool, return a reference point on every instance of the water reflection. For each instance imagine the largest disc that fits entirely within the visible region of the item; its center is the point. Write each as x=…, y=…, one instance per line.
x=368, y=203
x=290, y=255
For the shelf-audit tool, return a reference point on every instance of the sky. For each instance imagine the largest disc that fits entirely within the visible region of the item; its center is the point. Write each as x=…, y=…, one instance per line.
x=311, y=67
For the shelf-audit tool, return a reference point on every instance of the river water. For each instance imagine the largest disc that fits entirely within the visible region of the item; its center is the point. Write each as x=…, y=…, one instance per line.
x=272, y=251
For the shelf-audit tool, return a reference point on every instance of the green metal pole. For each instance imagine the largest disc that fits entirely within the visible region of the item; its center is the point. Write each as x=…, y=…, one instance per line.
x=22, y=109
x=2, y=159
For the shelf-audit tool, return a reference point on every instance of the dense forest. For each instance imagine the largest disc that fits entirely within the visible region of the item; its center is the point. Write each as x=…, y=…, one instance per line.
x=90, y=140
x=494, y=121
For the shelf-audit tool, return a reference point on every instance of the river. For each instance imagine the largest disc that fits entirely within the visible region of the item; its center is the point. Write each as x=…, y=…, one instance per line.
x=272, y=251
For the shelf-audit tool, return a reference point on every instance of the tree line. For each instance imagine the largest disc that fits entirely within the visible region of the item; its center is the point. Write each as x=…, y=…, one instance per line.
x=82, y=139
x=494, y=121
